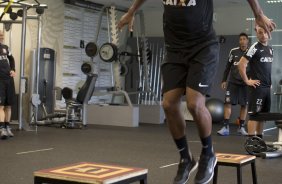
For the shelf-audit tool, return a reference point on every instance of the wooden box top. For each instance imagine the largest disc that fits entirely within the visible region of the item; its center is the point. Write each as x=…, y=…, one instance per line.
x=95, y=173
x=233, y=158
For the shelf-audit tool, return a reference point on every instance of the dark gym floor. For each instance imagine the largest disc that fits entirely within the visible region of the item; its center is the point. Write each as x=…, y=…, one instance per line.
x=149, y=146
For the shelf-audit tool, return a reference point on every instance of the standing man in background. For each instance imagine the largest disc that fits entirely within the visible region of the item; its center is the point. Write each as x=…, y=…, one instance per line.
x=189, y=67
x=236, y=91
x=259, y=57
x=7, y=88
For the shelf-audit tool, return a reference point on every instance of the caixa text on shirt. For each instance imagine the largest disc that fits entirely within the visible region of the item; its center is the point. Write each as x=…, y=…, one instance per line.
x=266, y=59
x=180, y=2
x=3, y=57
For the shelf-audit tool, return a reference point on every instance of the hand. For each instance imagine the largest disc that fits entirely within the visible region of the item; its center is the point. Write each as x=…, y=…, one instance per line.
x=12, y=73
x=253, y=83
x=267, y=24
x=223, y=85
x=127, y=18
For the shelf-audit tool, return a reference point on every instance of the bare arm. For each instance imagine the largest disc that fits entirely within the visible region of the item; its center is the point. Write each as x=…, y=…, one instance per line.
x=261, y=19
x=128, y=18
x=242, y=70
x=255, y=7
x=225, y=75
x=135, y=6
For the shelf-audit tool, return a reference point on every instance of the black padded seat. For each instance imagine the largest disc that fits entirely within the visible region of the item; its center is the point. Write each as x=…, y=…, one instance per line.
x=278, y=123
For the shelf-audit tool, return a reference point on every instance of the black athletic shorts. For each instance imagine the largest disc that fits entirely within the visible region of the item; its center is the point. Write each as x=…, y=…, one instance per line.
x=236, y=94
x=260, y=100
x=193, y=68
x=7, y=92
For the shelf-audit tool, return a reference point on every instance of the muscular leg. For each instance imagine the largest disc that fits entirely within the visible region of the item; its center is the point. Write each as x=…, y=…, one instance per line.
x=252, y=127
x=243, y=112
x=260, y=127
x=7, y=110
x=255, y=128
x=2, y=118
x=2, y=114
x=176, y=123
x=175, y=119
x=196, y=106
x=227, y=114
x=201, y=115
x=227, y=111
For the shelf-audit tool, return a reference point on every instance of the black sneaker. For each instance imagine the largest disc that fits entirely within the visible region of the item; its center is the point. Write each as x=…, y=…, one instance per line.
x=205, y=169
x=185, y=168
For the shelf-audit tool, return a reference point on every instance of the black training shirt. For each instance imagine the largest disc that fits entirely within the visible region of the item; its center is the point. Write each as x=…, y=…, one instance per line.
x=188, y=23
x=232, y=67
x=7, y=62
x=260, y=61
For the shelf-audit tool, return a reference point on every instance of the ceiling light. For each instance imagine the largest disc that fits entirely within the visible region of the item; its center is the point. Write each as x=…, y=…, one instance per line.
x=250, y=19
x=275, y=1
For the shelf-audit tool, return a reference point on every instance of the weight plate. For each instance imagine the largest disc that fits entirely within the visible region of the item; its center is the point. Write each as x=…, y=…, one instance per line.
x=108, y=52
x=255, y=145
x=91, y=49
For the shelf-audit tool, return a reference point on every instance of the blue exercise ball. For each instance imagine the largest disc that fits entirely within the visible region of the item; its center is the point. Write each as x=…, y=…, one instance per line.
x=216, y=109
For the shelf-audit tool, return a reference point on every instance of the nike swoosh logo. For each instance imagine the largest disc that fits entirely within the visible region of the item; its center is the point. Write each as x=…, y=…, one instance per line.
x=212, y=167
x=203, y=85
x=181, y=149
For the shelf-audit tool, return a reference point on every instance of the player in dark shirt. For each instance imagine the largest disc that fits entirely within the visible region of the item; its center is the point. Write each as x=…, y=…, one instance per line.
x=7, y=88
x=260, y=58
x=190, y=67
x=236, y=91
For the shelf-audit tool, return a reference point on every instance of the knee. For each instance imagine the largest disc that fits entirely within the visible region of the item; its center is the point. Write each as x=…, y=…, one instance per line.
x=6, y=108
x=194, y=107
x=244, y=106
x=170, y=106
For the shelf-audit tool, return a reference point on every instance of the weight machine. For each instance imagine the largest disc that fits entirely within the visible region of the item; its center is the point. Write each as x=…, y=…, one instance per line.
x=74, y=115
x=115, y=51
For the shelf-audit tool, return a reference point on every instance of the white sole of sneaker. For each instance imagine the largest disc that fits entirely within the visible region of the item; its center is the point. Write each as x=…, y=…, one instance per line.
x=222, y=134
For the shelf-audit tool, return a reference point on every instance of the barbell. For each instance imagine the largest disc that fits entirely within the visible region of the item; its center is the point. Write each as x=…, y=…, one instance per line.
x=109, y=53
